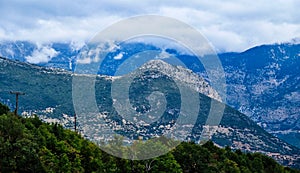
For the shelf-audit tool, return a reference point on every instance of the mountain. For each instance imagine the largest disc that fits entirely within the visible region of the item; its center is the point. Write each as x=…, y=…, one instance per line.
x=49, y=94
x=262, y=82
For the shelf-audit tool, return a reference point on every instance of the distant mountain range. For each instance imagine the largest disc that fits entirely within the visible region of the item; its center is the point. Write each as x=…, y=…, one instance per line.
x=49, y=94
x=262, y=82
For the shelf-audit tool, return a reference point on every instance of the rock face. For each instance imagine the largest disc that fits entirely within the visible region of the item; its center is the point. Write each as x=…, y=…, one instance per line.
x=186, y=76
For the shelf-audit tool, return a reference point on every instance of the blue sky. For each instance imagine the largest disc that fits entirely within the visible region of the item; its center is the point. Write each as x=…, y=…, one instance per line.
x=228, y=25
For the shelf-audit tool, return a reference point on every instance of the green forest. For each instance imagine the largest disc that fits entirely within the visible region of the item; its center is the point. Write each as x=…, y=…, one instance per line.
x=30, y=145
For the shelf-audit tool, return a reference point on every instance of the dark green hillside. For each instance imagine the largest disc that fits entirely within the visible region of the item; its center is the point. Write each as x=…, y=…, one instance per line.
x=29, y=145
x=43, y=87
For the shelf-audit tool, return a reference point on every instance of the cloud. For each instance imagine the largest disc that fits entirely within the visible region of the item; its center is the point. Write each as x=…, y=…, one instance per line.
x=163, y=55
x=60, y=29
x=86, y=60
x=42, y=55
x=119, y=56
x=236, y=27
x=228, y=25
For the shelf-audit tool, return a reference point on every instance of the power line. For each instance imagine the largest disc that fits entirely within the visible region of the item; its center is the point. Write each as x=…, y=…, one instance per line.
x=17, y=93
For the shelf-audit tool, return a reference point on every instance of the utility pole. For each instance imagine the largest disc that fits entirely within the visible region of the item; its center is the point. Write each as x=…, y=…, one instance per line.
x=17, y=93
x=75, y=123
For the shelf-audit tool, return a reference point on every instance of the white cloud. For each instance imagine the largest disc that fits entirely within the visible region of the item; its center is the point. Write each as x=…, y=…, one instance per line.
x=86, y=60
x=163, y=55
x=76, y=46
x=228, y=25
x=42, y=55
x=236, y=27
x=62, y=29
x=224, y=40
x=119, y=56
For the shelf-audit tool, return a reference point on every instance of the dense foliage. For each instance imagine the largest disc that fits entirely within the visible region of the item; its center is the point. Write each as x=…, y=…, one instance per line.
x=3, y=109
x=29, y=145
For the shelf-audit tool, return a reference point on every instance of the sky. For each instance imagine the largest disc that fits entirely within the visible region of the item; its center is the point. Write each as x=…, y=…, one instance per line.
x=231, y=25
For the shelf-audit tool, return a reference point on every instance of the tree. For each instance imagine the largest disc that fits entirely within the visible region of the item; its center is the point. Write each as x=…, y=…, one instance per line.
x=192, y=157
x=18, y=147
x=230, y=166
x=257, y=165
x=3, y=109
x=48, y=160
x=29, y=145
x=164, y=163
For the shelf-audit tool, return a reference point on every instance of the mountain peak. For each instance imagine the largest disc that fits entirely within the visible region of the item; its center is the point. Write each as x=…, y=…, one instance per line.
x=184, y=75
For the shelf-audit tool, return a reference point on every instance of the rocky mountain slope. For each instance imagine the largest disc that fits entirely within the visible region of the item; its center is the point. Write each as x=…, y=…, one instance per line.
x=262, y=82
x=49, y=94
